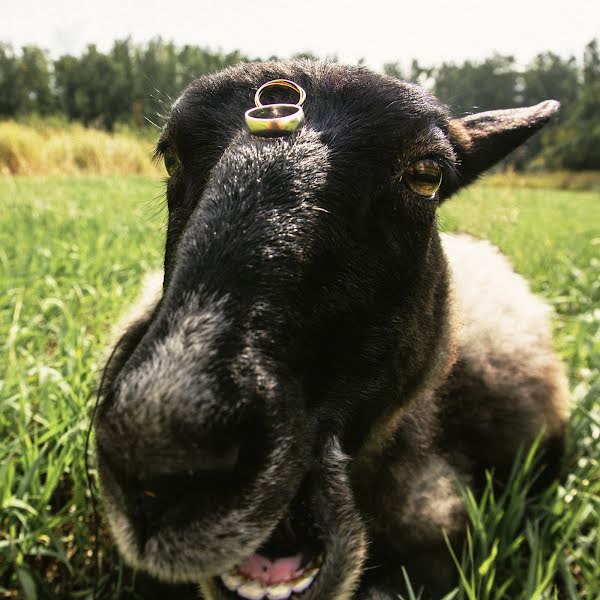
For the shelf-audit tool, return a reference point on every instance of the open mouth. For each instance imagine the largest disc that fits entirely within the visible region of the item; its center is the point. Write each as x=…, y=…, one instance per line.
x=276, y=579
x=287, y=564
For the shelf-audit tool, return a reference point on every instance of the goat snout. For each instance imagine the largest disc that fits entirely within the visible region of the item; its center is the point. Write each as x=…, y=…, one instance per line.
x=182, y=422
x=177, y=471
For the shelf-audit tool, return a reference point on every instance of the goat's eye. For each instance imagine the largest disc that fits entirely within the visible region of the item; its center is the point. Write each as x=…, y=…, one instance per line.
x=171, y=161
x=423, y=177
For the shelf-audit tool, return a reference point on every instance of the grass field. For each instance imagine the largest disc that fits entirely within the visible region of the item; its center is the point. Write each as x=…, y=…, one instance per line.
x=72, y=253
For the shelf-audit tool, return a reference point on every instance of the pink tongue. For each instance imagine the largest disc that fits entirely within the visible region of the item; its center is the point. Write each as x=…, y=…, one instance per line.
x=271, y=572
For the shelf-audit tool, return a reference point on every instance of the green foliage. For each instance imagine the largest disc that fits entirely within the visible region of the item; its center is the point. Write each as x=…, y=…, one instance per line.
x=473, y=86
x=128, y=84
x=25, y=82
x=576, y=144
x=571, y=142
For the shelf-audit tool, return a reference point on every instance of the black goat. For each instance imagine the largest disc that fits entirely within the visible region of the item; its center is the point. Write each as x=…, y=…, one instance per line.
x=321, y=365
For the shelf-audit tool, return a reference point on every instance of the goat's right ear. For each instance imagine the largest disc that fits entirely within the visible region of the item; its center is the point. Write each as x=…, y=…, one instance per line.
x=482, y=139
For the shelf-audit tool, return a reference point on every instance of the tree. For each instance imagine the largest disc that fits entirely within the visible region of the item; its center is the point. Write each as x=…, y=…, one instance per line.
x=476, y=86
x=393, y=69
x=66, y=73
x=121, y=99
x=591, y=64
x=548, y=76
x=34, y=79
x=157, y=82
x=10, y=81
x=576, y=143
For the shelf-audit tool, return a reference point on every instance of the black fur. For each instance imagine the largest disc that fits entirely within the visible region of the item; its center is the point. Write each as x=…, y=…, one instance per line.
x=288, y=375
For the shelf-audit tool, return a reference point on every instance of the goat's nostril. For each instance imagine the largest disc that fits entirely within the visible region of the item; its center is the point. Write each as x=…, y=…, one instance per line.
x=181, y=485
x=195, y=458
x=184, y=474
x=220, y=457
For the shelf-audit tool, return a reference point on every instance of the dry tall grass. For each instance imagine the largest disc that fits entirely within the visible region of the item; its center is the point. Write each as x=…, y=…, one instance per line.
x=71, y=149
x=52, y=147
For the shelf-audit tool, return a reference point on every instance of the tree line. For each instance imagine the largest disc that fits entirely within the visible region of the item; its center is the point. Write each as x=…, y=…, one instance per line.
x=571, y=142
x=132, y=83
x=125, y=85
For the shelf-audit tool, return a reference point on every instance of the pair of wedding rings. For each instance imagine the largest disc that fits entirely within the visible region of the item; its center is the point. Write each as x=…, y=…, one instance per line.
x=274, y=120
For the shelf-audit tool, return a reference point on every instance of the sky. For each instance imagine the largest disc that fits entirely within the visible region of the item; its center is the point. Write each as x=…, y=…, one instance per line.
x=377, y=31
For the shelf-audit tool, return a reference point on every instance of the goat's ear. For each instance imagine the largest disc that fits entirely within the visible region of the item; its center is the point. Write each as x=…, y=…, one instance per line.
x=482, y=139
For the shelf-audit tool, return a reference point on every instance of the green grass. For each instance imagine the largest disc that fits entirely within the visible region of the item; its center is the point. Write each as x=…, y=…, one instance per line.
x=548, y=548
x=72, y=253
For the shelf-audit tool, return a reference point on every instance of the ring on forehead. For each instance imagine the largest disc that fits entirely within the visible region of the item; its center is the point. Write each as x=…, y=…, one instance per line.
x=276, y=120
x=280, y=83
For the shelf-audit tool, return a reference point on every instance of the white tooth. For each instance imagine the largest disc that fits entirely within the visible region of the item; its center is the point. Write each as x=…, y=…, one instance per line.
x=280, y=591
x=252, y=590
x=232, y=581
x=301, y=584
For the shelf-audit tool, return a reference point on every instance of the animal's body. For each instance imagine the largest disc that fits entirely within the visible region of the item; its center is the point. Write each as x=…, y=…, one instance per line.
x=320, y=366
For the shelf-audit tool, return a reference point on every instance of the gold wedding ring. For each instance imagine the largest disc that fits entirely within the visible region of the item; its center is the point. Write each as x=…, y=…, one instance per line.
x=280, y=83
